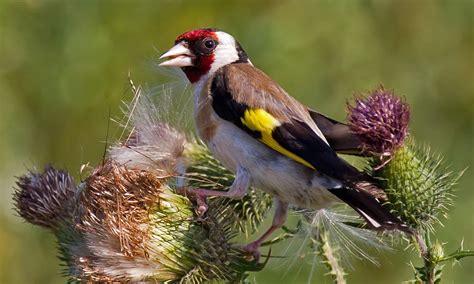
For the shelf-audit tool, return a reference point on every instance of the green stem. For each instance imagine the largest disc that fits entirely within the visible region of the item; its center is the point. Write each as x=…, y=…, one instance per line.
x=457, y=255
x=330, y=259
x=428, y=271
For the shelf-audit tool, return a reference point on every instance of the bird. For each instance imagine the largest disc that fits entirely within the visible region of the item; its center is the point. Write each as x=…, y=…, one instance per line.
x=268, y=139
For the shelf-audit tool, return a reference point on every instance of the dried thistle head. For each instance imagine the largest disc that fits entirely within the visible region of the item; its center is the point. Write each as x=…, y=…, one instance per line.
x=117, y=201
x=116, y=205
x=136, y=229
x=381, y=120
x=50, y=199
x=43, y=198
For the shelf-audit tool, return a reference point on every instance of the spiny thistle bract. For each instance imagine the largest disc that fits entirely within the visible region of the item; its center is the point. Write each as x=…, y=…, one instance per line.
x=419, y=188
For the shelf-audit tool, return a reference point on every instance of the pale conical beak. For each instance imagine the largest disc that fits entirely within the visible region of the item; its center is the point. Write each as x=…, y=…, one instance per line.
x=179, y=56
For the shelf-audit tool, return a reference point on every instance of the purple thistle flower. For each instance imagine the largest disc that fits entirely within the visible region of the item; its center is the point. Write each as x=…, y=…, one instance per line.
x=381, y=121
x=43, y=198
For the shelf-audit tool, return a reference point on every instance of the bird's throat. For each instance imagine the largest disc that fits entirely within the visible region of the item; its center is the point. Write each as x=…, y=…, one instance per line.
x=201, y=67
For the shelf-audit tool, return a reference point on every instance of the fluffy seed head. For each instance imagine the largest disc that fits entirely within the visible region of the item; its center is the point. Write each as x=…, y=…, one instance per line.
x=137, y=229
x=115, y=224
x=381, y=120
x=117, y=200
x=152, y=144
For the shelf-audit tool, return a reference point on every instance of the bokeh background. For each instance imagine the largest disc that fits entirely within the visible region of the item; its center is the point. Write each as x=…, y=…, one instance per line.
x=64, y=66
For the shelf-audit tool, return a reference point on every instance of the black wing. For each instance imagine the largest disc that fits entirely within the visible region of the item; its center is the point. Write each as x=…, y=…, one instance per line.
x=294, y=136
x=300, y=139
x=338, y=134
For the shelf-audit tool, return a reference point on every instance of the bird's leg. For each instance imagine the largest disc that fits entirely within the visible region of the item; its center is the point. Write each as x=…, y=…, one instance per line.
x=237, y=190
x=279, y=219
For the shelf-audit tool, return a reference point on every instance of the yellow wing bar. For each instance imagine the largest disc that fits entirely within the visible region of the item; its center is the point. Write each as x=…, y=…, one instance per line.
x=263, y=122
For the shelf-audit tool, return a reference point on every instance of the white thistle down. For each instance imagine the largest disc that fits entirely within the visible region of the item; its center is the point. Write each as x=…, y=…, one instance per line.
x=343, y=233
x=155, y=140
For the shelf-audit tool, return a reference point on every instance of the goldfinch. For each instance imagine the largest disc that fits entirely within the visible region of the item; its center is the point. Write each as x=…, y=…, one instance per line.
x=268, y=138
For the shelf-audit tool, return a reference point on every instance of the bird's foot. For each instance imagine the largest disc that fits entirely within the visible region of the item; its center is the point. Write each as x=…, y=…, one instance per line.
x=197, y=194
x=253, y=250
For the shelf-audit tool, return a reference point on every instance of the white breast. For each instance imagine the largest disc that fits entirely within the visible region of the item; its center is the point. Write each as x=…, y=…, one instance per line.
x=269, y=170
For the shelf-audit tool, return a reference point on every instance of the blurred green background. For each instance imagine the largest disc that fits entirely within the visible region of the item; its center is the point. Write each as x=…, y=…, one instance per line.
x=64, y=65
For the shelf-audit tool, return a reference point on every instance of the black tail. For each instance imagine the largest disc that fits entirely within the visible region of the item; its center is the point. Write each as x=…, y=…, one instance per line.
x=377, y=216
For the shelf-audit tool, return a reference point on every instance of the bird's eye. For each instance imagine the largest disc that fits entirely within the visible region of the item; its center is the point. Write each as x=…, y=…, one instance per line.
x=204, y=46
x=209, y=43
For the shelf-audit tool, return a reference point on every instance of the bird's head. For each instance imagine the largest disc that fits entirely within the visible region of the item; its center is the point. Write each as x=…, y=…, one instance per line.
x=201, y=52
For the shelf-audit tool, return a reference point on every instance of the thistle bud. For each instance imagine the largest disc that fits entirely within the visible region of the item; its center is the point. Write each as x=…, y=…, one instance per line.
x=42, y=198
x=437, y=251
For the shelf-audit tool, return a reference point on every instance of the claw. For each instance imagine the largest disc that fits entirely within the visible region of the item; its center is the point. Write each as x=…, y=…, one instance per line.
x=253, y=249
x=237, y=190
x=278, y=221
x=198, y=195
x=201, y=201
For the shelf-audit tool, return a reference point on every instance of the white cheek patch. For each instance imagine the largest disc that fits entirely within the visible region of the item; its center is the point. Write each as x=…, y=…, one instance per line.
x=225, y=52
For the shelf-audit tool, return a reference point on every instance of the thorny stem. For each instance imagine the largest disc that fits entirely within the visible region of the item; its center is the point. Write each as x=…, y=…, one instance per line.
x=330, y=258
x=421, y=245
x=433, y=255
x=430, y=264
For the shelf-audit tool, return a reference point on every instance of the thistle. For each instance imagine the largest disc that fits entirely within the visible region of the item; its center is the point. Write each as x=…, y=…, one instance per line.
x=43, y=198
x=417, y=185
x=419, y=188
x=138, y=229
x=381, y=121
x=127, y=224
